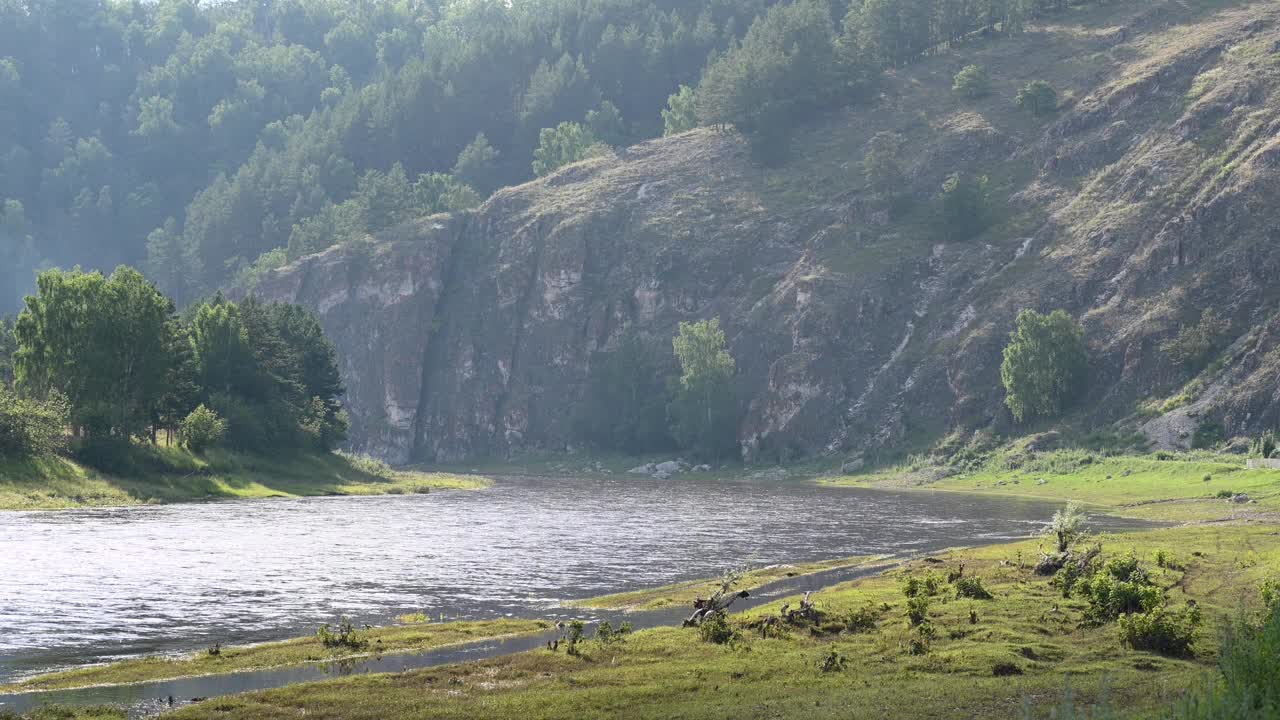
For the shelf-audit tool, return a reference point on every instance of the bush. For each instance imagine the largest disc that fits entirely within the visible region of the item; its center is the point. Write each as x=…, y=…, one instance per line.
x=716, y=629
x=31, y=427
x=1161, y=630
x=1037, y=96
x=971, y=587
x=863, y=619
x=344, y=636
x=917, y=610
x=1068, y=526
x=202, y=429
x=607, y=635
x=833, y=662
x=971, y=82
x=1121, y=587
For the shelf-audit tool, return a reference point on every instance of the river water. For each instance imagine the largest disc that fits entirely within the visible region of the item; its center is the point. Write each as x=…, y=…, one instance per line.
x=94, y=585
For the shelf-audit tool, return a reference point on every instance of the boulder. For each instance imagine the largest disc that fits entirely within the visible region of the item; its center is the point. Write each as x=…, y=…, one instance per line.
x=670, y=467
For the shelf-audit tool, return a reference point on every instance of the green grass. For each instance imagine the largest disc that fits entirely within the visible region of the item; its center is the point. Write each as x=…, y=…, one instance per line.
x=393, y=639
x=670, y=673
x=68, y=713
x=170, y=474
x=683, y=594
x=1141, y=486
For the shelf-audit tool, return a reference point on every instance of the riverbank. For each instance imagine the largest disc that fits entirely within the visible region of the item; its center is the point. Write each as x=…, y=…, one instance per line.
x=683, y=594
x=415, y=635
x=983, y=658
x=170, y=474
x=1187, y=487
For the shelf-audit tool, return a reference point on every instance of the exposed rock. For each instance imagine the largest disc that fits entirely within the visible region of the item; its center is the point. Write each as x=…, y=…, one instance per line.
x=1241, y=498
x=670, y=467
x=852, y=465
x=475, y=334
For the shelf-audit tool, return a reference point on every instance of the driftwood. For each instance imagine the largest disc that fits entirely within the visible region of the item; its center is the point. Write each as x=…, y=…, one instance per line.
x=719, y=601
x=805, y=614
x=1050, y=564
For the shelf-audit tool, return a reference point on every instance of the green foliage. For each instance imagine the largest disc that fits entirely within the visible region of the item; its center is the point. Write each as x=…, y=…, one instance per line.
x=715, y=628
x=562, y=145
x=202, y=429
x=8, y=346
x=1196, y=344
x=31, y=427
x=833, y=661
x=784, y=69
x=971, y=82
x=1161, y=630
x=606, y=634
x=1043, y=364
x=1121, y=587
x=704, y=408
x=606, y=125
x=680, y=114
x=624, y=407
x=1038, y=97
x=971, y=587
x=966, y=206
x=1247, y=690
x=103, y=343
x=917, y=610
x=1265, y=445
x=477, y=166
x=574, y=635
x=342, y=636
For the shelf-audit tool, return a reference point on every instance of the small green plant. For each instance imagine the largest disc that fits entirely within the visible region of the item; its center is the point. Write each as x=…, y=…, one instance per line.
x=917, y=610
x=1270, y=592
x=343, y=636
x=971, y=587
x=1165, y=559
x=607, y=635
x=574, y=634
x=922, y=639
x=1068, y=526
x=1224, y=494
x=215, y=650
x=1264, y=446
x=1121, y=587
x=834, y=661
x=716, y=629
x=863, y=619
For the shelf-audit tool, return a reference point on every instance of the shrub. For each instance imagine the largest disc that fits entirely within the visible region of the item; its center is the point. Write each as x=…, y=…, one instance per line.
x=1265, y=445
x=971, y=82
x=716, y=629
x=607, y=635
x=863, y=619
x=971, y=587
x=1037, y=96
x=917, y=610
x=202, y=429
x=1161, y=630
x=1121, y=587
x=1270, y=592
x=344, y=635
x=574, y=635
x=834, y=661
x=31, y=427
x=1195, y=344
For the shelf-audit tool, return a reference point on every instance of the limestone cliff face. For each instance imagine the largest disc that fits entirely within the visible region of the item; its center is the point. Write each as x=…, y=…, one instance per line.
x=1149, y=197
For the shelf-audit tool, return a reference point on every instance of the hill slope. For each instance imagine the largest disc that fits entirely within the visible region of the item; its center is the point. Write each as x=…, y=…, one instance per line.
x=1144, y=200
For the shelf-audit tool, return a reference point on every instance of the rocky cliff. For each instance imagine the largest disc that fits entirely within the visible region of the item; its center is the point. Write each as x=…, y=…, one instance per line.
x=1149, y=196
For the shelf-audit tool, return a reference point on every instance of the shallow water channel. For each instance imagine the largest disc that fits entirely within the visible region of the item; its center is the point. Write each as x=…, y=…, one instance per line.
x=89, y=586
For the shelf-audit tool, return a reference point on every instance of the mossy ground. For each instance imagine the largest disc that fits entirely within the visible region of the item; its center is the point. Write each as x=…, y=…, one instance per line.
x=671, y=673
x=171, y=474
x=409, y=637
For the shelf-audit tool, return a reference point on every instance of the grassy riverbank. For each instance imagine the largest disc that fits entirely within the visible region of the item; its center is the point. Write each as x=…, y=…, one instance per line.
x=1170, y=487
x=986, y=659
x=683, y=594
x=171, y=474
x=411, y=637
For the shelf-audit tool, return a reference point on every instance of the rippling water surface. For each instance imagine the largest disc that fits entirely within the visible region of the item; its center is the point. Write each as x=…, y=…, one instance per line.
x=90, y=585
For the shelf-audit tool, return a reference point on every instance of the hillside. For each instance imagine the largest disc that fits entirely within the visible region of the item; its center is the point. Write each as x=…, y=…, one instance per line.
x=1141, y=202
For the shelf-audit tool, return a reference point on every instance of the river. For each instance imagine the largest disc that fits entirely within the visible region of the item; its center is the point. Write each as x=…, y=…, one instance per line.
x=93, y=585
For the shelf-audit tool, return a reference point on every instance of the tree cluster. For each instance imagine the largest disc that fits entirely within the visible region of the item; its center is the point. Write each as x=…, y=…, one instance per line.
x=631, y=407
x=128, y=367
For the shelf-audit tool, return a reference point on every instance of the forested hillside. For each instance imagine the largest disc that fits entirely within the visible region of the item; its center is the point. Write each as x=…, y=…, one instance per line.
x=206, y=142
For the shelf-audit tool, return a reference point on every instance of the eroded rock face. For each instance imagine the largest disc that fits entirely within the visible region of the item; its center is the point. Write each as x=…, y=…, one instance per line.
x=474, y=335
